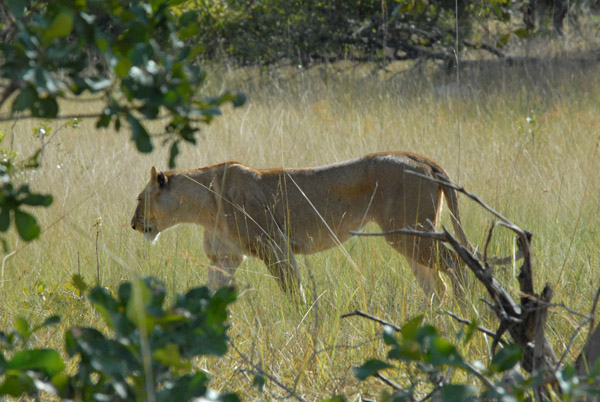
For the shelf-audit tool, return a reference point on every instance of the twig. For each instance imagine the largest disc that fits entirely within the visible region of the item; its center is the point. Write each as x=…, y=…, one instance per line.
x=463, y=321
x=477, y=374
x=389, y=382
x=371, y=317
x=571, y=340
x=470, y=195
x=406, y=231
x=593, y=313
x=273, y=379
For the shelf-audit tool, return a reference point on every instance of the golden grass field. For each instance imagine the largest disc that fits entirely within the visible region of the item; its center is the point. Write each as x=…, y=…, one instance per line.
x=523, y=137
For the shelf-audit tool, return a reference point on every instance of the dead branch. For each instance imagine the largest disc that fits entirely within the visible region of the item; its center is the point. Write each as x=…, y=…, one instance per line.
x=479, y=327
x=257, y=370
x=525, y=321
x=389, y=382
x=373, y=318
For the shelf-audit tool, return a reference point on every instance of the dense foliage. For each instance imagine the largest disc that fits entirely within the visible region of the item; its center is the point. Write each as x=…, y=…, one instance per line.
x=314, y=31
x=146, y=355
x=433, y=360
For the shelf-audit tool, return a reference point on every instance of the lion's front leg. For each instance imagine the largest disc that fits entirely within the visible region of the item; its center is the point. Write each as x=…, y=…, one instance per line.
x=222, y=270
x=224, y=261
x=280, y=261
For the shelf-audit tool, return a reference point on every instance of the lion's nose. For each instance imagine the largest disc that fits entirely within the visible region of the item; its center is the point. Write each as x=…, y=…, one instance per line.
x=133, y=224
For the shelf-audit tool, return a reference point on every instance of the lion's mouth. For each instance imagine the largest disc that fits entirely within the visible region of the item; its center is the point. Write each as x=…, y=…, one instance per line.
x=151, y=235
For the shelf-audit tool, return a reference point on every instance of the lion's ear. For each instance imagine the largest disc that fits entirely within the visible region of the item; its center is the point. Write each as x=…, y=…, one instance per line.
x=162, y=179
x=159, y=177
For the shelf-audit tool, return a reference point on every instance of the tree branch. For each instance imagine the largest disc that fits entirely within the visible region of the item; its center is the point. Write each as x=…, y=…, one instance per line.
x=371, y=317
x=479, y=327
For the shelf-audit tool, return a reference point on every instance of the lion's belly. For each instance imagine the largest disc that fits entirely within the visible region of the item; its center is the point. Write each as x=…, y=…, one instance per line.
x=305, y=240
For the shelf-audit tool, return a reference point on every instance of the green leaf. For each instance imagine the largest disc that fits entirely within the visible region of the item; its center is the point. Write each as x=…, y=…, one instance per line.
x=104, y=120
x=173, y=155
x=61, y=26
x=139, y=135
x=79, y=283
x=259, y=382
x=503, y=41
x=37, y=200
x=410, y=329
x=408, y=350
x=4, y=219
x=239, y=99
x=522, y=33
x=189, y=387
x=47, y=361
x=389, y=336
x=45, y=107
x=26, y=225
x=123, y=66
x=458, y=393
x=17, y=7
x=105, y=304
x=22, y=327
x=24, y=99
x=443, y=352
x=369, y=368
x=505, y=359
x=52, y=320
x=17, y=385
x=60, y=382
x=169, y=356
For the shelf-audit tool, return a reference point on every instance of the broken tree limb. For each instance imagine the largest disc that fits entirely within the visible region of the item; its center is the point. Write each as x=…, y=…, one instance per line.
x=526, y=321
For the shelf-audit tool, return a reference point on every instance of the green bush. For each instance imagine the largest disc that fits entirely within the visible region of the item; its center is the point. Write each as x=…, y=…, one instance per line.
x=431, y=360
x=146, y=354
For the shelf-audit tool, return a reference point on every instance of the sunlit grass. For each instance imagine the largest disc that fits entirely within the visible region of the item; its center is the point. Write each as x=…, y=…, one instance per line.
x=524, y=138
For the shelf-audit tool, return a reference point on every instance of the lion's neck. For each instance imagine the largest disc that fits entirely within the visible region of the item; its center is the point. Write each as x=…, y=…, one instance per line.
x=196, y=197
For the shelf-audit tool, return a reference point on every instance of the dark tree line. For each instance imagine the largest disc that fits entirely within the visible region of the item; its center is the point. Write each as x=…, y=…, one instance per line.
x=314, y=31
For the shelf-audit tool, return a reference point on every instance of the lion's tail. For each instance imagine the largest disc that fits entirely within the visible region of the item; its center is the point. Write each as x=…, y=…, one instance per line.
x=452, y=200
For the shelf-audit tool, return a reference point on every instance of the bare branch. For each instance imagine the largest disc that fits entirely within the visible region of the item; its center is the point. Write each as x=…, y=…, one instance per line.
x=389, y=382
x=593, y=311
x=258, y=370
x=439, y=236
x=371, y=317
x=479, y=327
x=571, y=340
x=468, y=194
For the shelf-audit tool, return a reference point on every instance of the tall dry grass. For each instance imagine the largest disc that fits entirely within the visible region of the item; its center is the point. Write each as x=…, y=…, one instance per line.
x=523, y=137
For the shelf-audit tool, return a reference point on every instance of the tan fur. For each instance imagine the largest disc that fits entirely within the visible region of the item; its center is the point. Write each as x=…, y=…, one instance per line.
x=276, y=213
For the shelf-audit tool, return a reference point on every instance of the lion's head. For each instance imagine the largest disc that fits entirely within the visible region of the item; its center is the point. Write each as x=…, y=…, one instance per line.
x=157, y=207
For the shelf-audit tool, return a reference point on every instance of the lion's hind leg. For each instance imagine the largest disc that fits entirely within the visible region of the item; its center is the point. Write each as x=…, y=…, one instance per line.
x=418, y=253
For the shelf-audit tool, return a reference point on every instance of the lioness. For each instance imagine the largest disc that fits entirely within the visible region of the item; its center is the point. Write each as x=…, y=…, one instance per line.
x=276, y=213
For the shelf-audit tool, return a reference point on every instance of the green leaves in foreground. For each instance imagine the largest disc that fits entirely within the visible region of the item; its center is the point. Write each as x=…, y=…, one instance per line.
x=149, y=348
x=430, y=356
x=11, y=202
